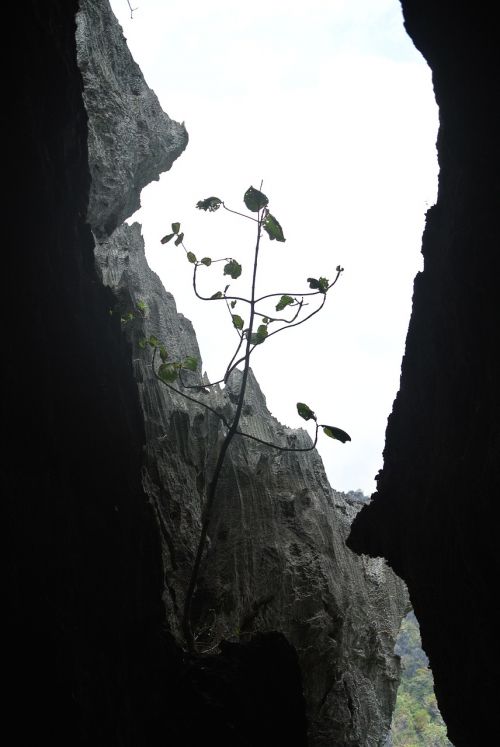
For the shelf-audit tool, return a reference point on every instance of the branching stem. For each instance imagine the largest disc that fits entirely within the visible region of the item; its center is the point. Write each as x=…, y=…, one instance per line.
x=257, y=203
x=212, y=490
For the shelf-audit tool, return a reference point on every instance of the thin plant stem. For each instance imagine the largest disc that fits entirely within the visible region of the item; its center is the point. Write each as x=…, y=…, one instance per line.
x=212, y=491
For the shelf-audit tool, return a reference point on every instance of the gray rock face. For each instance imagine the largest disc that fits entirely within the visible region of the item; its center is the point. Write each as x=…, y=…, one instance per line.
x=132, y=141
x=276, y=558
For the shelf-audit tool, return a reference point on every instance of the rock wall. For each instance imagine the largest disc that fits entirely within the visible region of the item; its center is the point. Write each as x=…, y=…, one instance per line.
x=131, y=139
x=276, y=559
x=434, y=513
x=82, y=568
x=96, y=527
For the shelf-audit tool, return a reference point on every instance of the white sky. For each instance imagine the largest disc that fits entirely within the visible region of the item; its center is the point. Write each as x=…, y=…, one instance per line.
x=331, y=105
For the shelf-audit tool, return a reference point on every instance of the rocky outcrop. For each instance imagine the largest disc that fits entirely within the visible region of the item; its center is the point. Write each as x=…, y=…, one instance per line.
x=277, y=559
x=86, y=656
x=82, y=569
x=131, y=139
x=101, y=518
x=434, y=513
x=87, y=659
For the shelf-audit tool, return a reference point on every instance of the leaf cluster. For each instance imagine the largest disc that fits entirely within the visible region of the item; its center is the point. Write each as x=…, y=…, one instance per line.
x=331, y=431
x=251, y=334
x=169, y=370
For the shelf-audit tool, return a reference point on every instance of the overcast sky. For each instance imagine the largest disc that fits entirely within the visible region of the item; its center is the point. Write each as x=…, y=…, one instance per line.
x=329, y=104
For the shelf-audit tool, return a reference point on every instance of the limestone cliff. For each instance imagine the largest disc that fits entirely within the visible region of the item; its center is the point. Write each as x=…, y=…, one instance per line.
x=276, y=560
x=87, y=658
x=131, y=139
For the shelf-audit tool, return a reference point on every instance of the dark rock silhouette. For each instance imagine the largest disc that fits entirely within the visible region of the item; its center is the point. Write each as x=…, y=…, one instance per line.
x=434, y=515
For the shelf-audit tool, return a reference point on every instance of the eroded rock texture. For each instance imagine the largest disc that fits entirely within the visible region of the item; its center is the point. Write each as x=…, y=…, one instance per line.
x=131, y=138
x=86, y=659
x=103, y=487
x=434, y=513
x=277, y=559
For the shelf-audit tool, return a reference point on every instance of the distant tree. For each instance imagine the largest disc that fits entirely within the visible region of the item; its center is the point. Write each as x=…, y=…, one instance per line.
x=416, y=720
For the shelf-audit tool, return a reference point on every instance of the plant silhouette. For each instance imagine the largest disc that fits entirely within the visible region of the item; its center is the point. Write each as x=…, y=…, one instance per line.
x=255, y=326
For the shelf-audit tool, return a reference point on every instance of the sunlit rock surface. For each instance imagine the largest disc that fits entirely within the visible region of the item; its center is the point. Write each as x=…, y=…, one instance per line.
x=276, y=558
x=131, y=139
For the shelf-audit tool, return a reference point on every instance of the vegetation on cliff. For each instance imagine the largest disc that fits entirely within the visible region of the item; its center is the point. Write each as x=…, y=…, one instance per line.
x=416, y=721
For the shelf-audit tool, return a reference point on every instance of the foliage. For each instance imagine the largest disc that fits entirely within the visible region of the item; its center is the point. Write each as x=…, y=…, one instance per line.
x=254, y=325
x=416, y=721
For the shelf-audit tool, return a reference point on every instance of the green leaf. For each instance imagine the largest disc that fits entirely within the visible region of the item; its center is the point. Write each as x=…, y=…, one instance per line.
x=127, y=317
x=211, y=204
x=233, y=269
x=163, y=353
x=167, y=373
x=206, y=261
x=179, y=239
x=142, y=343
x=284, y=302
x=255, y=200
x=176, y=227
x=141, y=305
x=305, y=411
x=265, y=320
x=153, y=341
x=191, y=257
x=167, y=238
x=237, y=321
x=273, y=228
x=219, y=294
x=232, y=304
x=323, y=284
x=257, y=338
x=191, y=363
x=336, y=433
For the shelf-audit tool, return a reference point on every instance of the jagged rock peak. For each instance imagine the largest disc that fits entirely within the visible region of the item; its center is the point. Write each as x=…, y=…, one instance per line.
x=131, y=140
x=276, y=558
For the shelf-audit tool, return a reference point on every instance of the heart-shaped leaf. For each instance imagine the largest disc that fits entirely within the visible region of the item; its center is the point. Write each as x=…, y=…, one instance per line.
x=273, y=228
x=305, y=411
x=237, y=321
x=255, y=200
x=191, y=363
x=284, y=302
x=257, y=338
x=336, y=433
x=211, y=204
x=233, y=269
x=167, y=373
